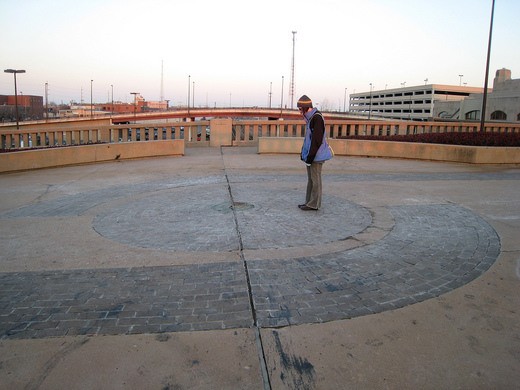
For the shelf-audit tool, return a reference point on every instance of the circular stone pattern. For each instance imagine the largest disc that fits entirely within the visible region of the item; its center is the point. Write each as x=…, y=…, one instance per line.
x=204, y=219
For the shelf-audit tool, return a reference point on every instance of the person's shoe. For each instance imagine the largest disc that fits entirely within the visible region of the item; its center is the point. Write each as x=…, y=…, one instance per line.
x=301, y=205
x=305, y=207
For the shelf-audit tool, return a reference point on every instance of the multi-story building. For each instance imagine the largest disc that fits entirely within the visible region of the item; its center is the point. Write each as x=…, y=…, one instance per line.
x=30, y=107
x=407, y=103
x=445, y=102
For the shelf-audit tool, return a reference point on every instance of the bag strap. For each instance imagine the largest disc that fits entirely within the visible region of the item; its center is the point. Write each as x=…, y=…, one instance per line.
x=324, y=140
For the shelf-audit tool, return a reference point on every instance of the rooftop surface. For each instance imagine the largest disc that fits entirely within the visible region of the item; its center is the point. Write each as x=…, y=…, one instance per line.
x=201, y=272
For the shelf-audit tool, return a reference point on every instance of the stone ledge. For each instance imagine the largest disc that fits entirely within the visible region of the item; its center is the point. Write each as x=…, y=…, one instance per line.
x=409, y=150
x=84, y=154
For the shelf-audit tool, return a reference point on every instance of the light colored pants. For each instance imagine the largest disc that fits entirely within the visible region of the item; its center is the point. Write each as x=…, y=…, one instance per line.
x=313, y=195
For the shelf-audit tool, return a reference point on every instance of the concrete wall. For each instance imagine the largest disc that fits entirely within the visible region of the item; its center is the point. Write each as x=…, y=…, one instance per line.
x=53, y=157
x=411, y=150
x=221, y=134
x=58, y=125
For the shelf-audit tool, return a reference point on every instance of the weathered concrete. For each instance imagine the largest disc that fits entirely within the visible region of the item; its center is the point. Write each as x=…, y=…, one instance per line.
x=142, y=273
x=84, y=154
x=411, y=150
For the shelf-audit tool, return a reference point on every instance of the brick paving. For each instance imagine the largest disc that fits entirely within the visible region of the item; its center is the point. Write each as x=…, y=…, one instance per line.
x=123, y=301
x=426, y=251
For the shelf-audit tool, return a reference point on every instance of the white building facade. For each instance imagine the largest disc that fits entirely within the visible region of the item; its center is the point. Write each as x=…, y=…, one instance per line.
x=407, y=103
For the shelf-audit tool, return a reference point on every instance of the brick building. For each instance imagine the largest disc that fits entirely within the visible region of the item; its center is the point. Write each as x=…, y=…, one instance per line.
x=30, y=107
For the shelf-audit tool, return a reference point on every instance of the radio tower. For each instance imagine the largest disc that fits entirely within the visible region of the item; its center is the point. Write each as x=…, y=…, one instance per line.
x=291, y=87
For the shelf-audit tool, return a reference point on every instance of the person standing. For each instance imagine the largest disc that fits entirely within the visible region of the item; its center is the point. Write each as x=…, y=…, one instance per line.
x=315, y=151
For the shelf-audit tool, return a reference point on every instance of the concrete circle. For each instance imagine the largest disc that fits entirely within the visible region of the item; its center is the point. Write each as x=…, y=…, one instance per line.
x=196, y=219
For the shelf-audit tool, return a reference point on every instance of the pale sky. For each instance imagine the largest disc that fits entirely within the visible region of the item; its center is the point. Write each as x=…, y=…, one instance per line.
x=234, y=49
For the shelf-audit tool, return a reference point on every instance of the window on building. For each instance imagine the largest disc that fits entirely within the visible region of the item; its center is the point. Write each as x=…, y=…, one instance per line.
x=473, y=115
x=518, y=117
x=498, y=116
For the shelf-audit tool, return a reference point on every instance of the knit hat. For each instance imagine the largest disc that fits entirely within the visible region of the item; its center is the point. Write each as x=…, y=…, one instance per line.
x=304, y=102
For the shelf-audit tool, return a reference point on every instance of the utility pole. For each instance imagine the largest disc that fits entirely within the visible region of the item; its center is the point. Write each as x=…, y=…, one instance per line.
x=291, y=89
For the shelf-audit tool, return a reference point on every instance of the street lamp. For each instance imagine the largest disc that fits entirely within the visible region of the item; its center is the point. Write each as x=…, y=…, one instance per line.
x=270, y=93
x=14, y=72
x=345, y=101
x=112, y=110
x=484, y=97
x=189, y=87
x=460, y=79
x=135, y=102
x=281, y=101
x=91, y=106
x=370, y=107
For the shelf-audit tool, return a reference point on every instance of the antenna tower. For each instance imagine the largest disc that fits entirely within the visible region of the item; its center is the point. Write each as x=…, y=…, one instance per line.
x=291, y=87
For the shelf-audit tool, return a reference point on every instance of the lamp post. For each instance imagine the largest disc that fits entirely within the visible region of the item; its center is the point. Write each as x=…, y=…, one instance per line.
x=270, y=93
x=281, y=102
x=14, y=72
x=460, y=79
x=189, y=87
x=345, y=101
x=112, y=110
x=484, y=97
x=370, y=107
x=46, y=101
x=135, y=102
x=91, y=106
